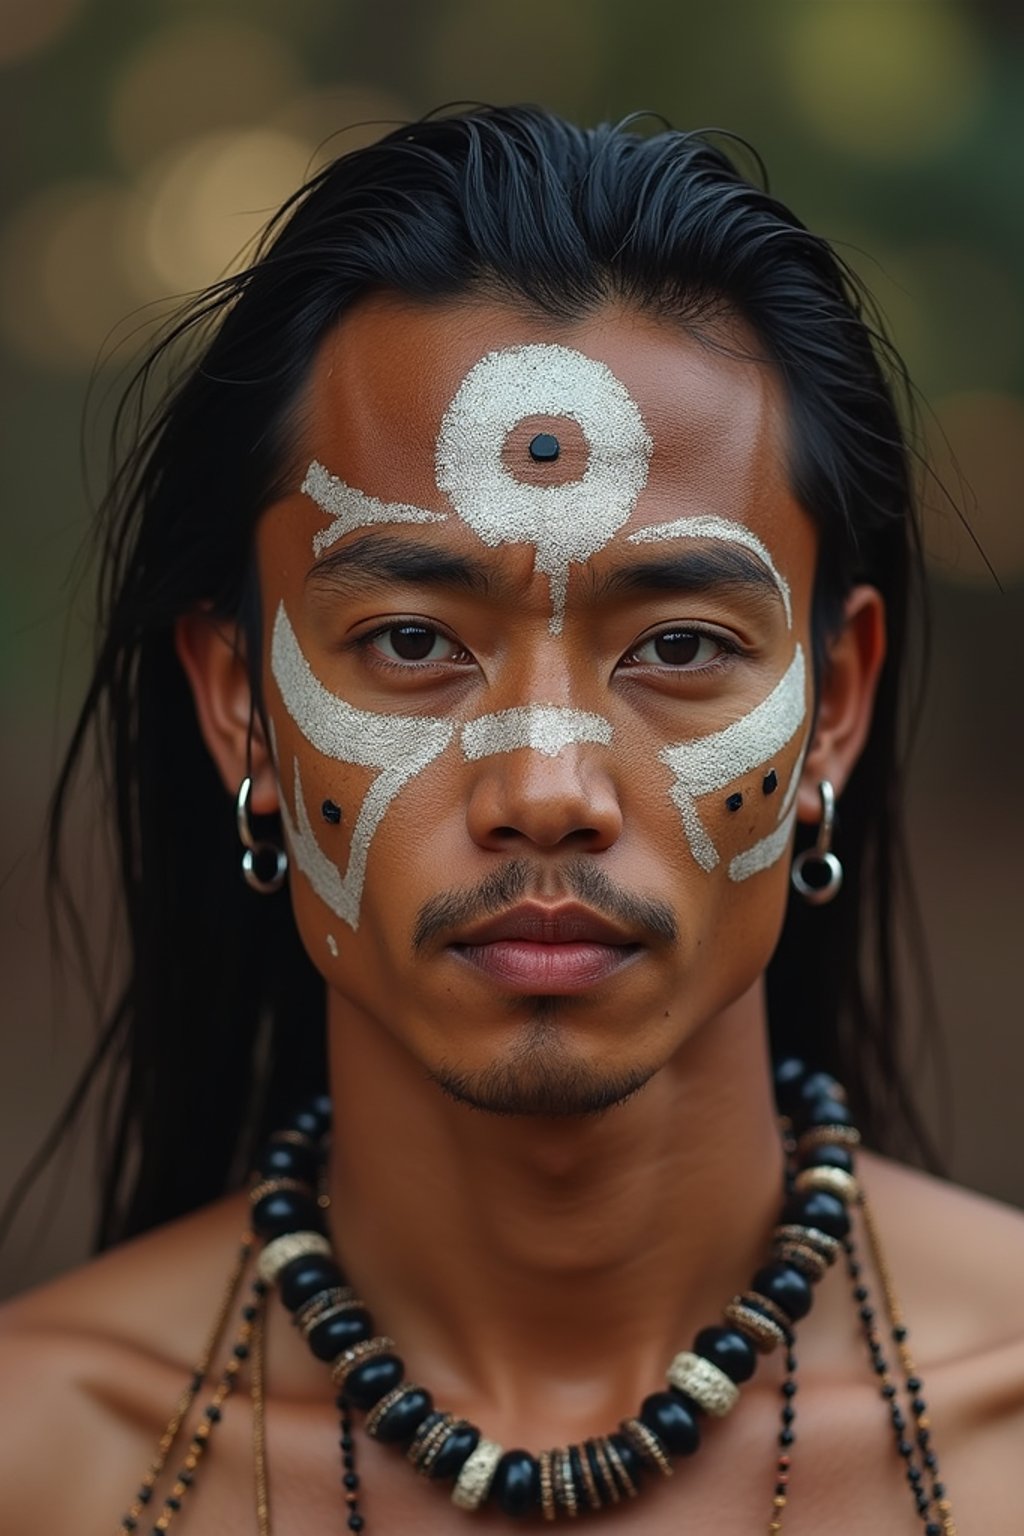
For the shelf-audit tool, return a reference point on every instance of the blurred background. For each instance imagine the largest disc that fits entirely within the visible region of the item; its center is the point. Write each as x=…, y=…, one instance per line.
x=144, y=144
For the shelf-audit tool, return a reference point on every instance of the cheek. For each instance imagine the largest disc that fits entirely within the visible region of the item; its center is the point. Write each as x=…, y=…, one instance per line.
x=357, y=877
x=735, y=788
x=750, y=823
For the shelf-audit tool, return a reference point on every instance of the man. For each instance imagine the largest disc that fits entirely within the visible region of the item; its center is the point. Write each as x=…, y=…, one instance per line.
x=576, y=526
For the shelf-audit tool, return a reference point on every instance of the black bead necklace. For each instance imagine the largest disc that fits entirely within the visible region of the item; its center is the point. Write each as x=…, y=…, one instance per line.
x=703, y=1382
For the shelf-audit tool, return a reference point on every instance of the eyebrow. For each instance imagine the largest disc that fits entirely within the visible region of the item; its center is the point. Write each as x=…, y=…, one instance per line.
x=691, y=571
x=382, y=560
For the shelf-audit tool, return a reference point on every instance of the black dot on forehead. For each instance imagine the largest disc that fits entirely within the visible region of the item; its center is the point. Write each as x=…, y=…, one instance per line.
x=545, y=447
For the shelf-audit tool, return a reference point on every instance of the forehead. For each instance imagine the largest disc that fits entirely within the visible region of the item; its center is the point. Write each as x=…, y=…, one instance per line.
x=715, y=413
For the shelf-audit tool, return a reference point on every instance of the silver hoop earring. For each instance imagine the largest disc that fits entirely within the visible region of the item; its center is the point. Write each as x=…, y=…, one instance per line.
x=255, y=850
x=817, y=874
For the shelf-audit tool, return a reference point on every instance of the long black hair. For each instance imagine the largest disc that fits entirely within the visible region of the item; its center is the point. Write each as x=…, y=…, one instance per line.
x=219, y=1027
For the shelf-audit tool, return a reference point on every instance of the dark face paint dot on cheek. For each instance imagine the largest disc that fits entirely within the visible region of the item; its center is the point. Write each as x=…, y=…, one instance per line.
x=771, y=782
x=331, y=812
x=734, y=802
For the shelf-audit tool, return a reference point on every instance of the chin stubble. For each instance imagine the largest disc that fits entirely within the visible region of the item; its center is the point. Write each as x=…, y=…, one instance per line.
x=540, y=1076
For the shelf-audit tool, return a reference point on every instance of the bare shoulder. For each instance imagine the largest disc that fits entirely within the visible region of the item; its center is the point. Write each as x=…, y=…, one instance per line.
x=957, y=1255
x=956, y=1261
x=91, y=1361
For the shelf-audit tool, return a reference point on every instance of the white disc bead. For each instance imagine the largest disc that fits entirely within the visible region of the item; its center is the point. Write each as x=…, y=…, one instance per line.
x=474, y=1481
x=282, y=1250
x=700, y=1379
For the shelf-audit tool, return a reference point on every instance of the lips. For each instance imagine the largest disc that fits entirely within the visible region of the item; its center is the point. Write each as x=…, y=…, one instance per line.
x=539, y=949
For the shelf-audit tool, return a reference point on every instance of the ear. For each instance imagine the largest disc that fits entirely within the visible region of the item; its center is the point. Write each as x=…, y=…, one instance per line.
x=846, y=699
x=212, y=654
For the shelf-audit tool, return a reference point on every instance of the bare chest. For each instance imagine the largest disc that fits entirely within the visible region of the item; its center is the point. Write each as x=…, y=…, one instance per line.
x=846, y=1478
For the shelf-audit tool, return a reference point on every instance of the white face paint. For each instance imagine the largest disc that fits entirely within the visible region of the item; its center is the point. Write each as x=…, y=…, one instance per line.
x=332, y=945
x=710, y=763
x=399, y=746
x=565, y=523
x=546, y=728
x=351, y=509
x=770, y=849
x=718, y=528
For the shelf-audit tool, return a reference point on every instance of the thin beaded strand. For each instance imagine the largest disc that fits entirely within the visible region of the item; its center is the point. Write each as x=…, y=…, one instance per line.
x=257, y=1393
x=915, y=1473
x=787, y=1439
x=788, y=1389
x=130, y=1520
x=349, y=1473
x=213, y=1412
x=914, y=1384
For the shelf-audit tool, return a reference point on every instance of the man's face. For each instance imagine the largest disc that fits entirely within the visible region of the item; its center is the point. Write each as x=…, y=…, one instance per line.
x=538, y=609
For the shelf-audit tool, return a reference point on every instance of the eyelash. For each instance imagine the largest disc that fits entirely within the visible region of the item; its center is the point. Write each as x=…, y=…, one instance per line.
x=727, y=646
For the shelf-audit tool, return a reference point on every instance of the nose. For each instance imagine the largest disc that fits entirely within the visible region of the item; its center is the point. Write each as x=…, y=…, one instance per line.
x=523, y=796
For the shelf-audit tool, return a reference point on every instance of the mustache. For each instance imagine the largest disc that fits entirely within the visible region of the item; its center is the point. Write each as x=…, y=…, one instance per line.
x=519, y=879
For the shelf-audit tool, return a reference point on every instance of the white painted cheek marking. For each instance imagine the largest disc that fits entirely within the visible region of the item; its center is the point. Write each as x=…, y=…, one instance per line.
x=545, y=727
x=332, y=945
x=564, y=523
x=770, y=849
x=794, y=780
x=352, y=509
x=400, y=746
x=709, y=763
x=723, y=529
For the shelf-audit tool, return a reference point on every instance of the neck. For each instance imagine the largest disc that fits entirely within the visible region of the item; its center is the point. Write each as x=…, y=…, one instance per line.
x=525, y=1265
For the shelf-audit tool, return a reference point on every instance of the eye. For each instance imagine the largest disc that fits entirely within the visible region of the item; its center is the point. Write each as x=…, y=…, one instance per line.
x=409, y=643
x=679, y=648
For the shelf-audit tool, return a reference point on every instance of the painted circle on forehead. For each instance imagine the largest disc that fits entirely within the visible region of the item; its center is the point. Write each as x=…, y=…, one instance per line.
x=566, y=523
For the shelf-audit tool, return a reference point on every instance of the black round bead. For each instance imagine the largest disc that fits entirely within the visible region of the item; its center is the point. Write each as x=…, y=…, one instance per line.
x=287, y=1210
x=544, y=447
x=628, y=1456
x=310, y=1122
x=820, y=1085
x=335, y=1334
x=455, y=1452
x=675, y=1425
x=817, y=1208
x=283, y=1160
x=305, y=1277
x=404, y=1418
x=789, y=1076
x=829, y=1156
x=369, y=1381
x=729, y=1350
x=787, y=1287
x=322, y=1107
x=516, y=1485
x=826, y=1111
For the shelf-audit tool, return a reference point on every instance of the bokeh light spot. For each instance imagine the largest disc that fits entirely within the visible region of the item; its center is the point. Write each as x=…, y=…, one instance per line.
x=193, y=78
x=885, y=81
x=210, y=198
x=70, y=272
x=26, y=26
